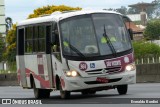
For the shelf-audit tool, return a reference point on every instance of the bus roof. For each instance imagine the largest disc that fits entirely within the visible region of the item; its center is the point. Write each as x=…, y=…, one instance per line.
x=57, y=16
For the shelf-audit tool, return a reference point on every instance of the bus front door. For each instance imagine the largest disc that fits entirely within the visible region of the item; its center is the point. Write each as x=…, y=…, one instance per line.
x=20, y=58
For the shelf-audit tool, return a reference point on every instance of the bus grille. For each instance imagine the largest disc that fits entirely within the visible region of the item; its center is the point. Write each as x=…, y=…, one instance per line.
x=110, y=70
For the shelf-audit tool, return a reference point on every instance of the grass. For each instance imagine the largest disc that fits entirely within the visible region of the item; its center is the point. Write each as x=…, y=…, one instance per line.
x=11, y=68
x=7, y=71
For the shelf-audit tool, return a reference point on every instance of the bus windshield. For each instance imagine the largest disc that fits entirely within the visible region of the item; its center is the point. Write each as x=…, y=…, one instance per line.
x=94, y=34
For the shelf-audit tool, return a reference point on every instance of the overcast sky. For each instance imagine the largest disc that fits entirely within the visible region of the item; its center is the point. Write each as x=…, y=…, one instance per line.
x=19, y=9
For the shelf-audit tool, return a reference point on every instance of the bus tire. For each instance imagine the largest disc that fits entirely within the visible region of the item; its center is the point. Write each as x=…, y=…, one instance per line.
x=92, y=92
x=86, y=92
x=122, y=89
x=40, y=93
x=64, y=94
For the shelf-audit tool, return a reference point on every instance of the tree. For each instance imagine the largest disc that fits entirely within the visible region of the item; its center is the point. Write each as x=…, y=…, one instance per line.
x=50, y=9
x=144, y=49
x=156, y=11
x=152, y=30
x=10, y=52
x=132, y=10
x=2, y=47
x=9, y=23
x=122, y=10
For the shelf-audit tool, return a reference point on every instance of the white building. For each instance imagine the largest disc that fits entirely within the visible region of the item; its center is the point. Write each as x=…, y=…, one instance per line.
x=136, y=17
x=2, y=24
x=2, y=18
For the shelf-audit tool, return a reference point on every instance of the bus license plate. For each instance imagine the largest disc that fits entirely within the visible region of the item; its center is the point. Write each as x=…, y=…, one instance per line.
x=102, y=79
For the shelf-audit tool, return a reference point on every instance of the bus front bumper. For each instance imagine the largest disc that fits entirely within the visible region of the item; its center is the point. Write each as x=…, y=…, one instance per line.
x=81, y=83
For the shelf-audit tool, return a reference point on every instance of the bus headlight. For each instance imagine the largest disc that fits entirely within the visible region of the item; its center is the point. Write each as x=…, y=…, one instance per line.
x=71, y=73
x=130, y=67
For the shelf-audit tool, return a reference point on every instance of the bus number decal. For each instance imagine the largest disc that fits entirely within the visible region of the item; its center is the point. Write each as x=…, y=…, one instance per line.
x=113, y=63
x=83, y=66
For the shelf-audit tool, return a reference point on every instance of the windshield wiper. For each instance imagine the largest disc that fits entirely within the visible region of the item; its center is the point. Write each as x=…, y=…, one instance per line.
x=76, y=50
x=109, y=42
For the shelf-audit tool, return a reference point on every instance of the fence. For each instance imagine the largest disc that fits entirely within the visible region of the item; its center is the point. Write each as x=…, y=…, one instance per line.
x=148, y=60
x=148, y=72
x=145, y=73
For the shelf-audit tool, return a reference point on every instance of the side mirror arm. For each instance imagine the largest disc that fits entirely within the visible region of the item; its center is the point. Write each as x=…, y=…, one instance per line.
x=130, y=33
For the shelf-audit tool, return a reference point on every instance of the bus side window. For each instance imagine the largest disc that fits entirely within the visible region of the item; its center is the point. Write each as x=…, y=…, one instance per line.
x=48, y=41
x=55, y=42
x=28, y=39
x=20, y=42
x=55, y=39
x=41, y=38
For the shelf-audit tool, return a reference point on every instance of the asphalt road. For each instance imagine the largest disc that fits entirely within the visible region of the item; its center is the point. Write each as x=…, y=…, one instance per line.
x=136, y=92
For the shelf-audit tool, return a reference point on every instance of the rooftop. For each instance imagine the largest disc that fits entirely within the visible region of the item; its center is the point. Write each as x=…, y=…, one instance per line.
x=142, y=5
x=60, y=16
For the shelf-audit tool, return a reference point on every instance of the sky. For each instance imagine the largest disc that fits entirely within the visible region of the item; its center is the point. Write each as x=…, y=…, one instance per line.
x=19, y=10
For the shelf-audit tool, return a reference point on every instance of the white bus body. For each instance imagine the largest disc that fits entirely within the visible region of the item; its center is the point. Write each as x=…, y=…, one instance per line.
x=66, y=52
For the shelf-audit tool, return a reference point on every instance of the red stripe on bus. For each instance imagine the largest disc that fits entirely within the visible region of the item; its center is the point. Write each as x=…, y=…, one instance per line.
x=40, y=66
x=18, y=75
x=39, y=56
x=44, y=83
x=62, y=82
x=40, y=69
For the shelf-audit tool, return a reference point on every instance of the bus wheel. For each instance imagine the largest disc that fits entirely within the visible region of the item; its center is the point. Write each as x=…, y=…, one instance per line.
x=86, y=92
x=122, y=89
x=92, y=92
x=40, y=93
x=64, y=94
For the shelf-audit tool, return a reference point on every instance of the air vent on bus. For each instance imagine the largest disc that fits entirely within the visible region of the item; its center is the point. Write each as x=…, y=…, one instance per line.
x=113, y=69
x=44, y=15
x=92, y=72
x=109, y=70
x=69, y=11
x=56, y=13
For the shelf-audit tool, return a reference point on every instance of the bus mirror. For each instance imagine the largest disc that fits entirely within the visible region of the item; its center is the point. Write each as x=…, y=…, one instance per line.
x=130, y=33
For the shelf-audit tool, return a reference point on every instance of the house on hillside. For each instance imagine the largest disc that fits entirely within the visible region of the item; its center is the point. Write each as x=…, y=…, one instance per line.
x=137, y=29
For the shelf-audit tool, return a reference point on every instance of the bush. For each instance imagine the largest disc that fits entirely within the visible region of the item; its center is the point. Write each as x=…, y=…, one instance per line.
x=146, y=49
x=10, y=52
x=2, y=47
x=152, y=30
